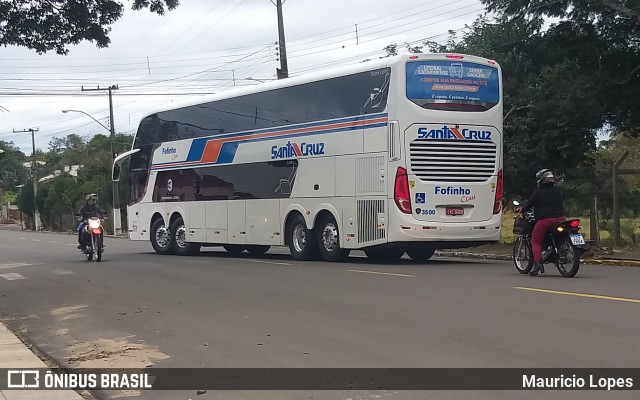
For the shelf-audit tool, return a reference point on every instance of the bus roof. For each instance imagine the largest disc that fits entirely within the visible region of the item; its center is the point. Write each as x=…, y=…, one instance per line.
x=320, y=75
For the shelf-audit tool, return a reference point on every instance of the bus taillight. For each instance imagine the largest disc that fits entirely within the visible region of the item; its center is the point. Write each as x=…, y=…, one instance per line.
x=401, y=191
x=497, y=204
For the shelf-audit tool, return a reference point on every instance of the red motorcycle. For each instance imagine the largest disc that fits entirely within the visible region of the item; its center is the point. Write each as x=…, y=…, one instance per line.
x=563, y=245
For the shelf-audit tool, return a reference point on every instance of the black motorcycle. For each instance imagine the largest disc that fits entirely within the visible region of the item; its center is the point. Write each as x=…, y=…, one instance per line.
x=563, y=245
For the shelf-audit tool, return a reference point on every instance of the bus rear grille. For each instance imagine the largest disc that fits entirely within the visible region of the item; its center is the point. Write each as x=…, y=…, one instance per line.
x=369, y=214
x=452, y=160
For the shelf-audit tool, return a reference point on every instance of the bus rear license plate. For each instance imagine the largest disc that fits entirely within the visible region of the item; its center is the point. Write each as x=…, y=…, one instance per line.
x=455, y=211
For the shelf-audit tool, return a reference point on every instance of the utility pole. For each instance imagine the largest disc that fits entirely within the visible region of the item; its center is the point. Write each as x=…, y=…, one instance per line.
x=34, y=176
x=2, y=197
x=117, y=222
x=283, y=71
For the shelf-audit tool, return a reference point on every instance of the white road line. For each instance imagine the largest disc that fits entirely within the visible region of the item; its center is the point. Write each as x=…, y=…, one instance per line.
x=22, y=238
x=36, y=240
x=269, y=262
x=12, y=276
x=51, y=241
x=380, y=273
x=13, y=265
x=62, y=272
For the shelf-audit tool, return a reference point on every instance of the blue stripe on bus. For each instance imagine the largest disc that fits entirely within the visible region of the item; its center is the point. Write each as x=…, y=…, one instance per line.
x=197, y=148
x=228, y=151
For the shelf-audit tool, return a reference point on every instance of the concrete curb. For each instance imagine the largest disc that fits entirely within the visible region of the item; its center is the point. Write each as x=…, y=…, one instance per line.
x=505, y=257
x=618, y=262
x=467, y=254
x=16, y=355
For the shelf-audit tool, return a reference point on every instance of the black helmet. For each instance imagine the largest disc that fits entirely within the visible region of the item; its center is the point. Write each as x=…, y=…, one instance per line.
x=92, y=199
x=545, y=176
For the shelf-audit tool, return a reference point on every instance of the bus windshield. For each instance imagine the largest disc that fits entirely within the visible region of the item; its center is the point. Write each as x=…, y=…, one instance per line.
x=452, y=85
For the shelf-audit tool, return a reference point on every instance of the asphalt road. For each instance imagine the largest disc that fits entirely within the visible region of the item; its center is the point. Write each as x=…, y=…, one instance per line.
x=138, y=309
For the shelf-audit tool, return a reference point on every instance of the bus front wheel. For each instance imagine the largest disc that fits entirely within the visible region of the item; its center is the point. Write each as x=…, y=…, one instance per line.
x=301, y=240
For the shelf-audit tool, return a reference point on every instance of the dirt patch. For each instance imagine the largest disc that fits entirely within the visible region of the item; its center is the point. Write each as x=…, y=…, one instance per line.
x=66, y=313
x=118, y=353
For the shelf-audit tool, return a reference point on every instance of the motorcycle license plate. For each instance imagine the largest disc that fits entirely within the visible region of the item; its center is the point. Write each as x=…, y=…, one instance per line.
x=577, y=239
x=455, y=211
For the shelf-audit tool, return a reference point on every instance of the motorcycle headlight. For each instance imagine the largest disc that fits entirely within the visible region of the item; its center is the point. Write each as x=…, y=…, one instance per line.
x=94, y=223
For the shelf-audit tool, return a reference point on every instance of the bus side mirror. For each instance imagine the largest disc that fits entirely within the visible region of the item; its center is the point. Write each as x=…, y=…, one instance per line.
x=115, y=172
x=115, y=175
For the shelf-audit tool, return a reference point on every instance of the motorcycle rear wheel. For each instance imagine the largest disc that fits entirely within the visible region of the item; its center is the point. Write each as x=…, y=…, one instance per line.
x=568, y=261
x=522, y=256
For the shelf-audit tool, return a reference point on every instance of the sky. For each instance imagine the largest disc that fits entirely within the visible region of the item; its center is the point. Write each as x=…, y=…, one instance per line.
x=203, y=46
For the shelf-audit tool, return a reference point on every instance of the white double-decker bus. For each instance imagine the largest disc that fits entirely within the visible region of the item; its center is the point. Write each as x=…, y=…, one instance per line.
x=395, y=155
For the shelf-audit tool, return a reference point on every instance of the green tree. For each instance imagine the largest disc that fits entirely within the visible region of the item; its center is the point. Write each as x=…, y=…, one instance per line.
x=55, y=24
x=12, y=170
x=601, y=38
x=58, y=198
x=9, y=197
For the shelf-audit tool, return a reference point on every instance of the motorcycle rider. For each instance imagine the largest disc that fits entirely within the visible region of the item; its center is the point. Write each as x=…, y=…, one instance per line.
x=89, y=210
x=548, y=209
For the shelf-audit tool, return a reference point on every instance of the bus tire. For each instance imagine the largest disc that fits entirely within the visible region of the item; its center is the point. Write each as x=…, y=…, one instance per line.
x=384, y=253
x=328, y=236
x=258, y=250
x=161, y=237
x=234, y=249
x=179, y=239
x=301, y=240
x=421, y=253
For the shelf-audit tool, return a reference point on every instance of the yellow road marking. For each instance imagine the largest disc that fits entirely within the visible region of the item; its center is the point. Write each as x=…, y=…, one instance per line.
x=380, y=273
x=592, y=296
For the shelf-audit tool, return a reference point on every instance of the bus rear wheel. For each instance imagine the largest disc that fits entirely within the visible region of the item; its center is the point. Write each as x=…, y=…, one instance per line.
x=329, y=240
x=179, y=240
x=161, y=237
x=301, y=240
